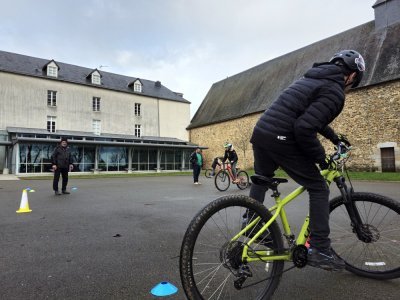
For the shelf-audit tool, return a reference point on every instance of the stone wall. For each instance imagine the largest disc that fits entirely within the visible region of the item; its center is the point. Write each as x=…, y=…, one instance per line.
x=370, y=119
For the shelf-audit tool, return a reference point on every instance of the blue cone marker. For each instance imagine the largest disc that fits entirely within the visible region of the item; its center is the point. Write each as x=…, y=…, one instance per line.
x=164, y=289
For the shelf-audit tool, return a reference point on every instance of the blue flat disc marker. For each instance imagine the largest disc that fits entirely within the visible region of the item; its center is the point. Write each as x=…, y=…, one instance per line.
x=164, y=289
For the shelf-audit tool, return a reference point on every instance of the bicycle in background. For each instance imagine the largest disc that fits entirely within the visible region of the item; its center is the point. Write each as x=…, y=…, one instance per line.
x=224, y=177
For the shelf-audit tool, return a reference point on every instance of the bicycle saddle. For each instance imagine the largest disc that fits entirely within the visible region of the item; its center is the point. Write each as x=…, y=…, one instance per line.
x=266, y=181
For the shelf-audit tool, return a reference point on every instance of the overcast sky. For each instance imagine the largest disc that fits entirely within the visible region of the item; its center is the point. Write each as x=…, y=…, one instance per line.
x=186, y=44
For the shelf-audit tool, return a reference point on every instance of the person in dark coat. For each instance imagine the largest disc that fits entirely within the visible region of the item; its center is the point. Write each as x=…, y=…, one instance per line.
x=196, y=158
x=286, y=136
x=231, y=156
x=61, y=164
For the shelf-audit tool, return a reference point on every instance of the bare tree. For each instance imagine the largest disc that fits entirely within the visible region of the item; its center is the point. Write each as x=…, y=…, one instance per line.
x=242, y=140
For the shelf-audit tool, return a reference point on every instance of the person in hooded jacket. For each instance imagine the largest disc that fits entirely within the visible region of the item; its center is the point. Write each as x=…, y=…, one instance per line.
x=61, y=164
x=286, y=136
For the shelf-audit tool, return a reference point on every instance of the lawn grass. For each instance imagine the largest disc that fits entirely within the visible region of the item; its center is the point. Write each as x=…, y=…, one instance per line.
x=369, y=176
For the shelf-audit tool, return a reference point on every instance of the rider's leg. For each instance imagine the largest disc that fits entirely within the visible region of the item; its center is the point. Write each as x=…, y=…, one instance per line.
x=304, y=171
x=265, y=166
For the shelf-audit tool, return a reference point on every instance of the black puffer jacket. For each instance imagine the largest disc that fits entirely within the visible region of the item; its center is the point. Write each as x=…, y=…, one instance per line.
x=61, y=157
x=304, y=109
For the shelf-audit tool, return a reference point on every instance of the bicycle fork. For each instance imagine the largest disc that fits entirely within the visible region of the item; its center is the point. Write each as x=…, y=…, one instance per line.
x=352, y=210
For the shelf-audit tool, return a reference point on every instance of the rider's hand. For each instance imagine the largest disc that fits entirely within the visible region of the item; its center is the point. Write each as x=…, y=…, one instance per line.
x=327, y=164
x=54, y=167
x=341, y=138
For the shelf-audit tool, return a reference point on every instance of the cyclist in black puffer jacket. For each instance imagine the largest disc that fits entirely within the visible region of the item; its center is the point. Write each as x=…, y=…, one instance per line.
x=286, y=136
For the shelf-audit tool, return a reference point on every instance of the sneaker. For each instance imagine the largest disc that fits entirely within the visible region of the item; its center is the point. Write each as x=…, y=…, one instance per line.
x=196, y=183
x=325, y=259
x=65, y=192
x=57, y=193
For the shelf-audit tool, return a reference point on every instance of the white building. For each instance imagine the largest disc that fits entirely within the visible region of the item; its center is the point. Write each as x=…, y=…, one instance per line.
x=114, y=122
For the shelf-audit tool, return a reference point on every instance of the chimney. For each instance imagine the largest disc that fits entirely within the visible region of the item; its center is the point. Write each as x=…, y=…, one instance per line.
x=158, y=84
x=387, y=12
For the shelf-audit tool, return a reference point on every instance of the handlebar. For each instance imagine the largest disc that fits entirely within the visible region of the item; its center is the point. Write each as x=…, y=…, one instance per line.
x=342, y=152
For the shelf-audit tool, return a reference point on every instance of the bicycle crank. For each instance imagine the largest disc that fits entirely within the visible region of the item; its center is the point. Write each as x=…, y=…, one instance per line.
x=300, y=256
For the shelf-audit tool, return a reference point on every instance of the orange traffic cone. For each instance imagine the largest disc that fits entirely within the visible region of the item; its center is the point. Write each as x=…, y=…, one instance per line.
x=24, y=206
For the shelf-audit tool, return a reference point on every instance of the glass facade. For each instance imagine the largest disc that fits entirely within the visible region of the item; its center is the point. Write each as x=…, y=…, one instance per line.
x=36, y=158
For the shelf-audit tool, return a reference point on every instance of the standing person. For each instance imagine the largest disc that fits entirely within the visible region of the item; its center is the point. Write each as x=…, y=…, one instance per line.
x=62, y=164
x=231, y=156
x=196, y=158
x=286, y=136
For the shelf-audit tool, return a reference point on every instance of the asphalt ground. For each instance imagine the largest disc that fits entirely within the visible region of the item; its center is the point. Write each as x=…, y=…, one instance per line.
x=116, y=238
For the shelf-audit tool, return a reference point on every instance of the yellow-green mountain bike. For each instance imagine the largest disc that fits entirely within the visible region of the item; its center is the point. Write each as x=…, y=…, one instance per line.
x=234, y=248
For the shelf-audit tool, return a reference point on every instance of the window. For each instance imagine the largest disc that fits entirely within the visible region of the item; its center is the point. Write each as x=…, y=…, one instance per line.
x=96, y=79
x=96, y=126
x=137, y=109
x=52, y=71
x=137, y=86
x=96, y=104
x=51, y=98
x=51, y=124
x=138, y=130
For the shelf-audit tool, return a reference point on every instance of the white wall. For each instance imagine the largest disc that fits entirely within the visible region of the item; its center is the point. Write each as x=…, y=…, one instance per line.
x=23, y=103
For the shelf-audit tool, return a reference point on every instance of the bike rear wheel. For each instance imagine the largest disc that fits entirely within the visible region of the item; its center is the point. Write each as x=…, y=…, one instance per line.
x=243, y=178
x=222, y=180
x=208, y=173
x=378, y=259
x=211, y=263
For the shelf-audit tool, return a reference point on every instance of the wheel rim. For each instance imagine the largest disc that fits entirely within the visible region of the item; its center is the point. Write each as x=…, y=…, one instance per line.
x=222, y=181
x=216, y=261
x=380, y=255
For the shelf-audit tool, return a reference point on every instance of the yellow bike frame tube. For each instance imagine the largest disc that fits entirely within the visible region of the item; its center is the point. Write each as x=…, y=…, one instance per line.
x=304, y=233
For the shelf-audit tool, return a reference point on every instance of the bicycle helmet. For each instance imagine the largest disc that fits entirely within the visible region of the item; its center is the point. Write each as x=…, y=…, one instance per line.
x=353, y=61
x=228, y=145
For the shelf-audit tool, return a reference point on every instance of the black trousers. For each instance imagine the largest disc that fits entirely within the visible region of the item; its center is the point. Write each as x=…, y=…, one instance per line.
x=64, y=173
x=304, y=171
x=196, y=172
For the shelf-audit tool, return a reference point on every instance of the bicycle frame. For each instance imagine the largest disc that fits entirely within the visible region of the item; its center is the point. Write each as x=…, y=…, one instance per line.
x=279, y=211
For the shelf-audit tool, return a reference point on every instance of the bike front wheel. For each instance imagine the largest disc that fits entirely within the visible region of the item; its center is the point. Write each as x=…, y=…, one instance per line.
x=222, y=180
x=379, y=258
x=211, y=265
x=243, y=178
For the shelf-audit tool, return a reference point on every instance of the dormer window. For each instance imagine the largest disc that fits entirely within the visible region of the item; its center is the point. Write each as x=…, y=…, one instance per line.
x=51, y=69
x=137, y=86
x=95, y=77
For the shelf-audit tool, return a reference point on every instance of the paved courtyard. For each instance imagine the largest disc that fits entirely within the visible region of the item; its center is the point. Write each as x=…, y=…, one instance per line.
x=116, y=238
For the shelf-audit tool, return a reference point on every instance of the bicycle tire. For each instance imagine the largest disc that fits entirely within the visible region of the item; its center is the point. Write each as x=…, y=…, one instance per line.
x=222, y=180
x=203, y=246
x=243, y=180
x=208, y=173
x=378, y=259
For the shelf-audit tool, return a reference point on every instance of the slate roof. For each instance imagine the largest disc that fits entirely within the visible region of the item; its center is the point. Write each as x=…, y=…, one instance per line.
x=32, y=66
x=252, y=91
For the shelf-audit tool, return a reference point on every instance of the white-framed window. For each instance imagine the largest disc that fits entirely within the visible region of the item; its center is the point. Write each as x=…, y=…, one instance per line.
x=51, y=123
x=52, y=71
x=51, y=98
x=137, y=86
x=138, y=130
x=138, y=109
x=96, y=78
x=96, y=103
x=96, y=126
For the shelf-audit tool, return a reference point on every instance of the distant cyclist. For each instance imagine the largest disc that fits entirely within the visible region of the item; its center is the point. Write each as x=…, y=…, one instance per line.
x=231, y=156
x=286, y=136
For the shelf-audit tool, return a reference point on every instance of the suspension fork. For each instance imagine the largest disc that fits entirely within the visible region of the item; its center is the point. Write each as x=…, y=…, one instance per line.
x=356, y=221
